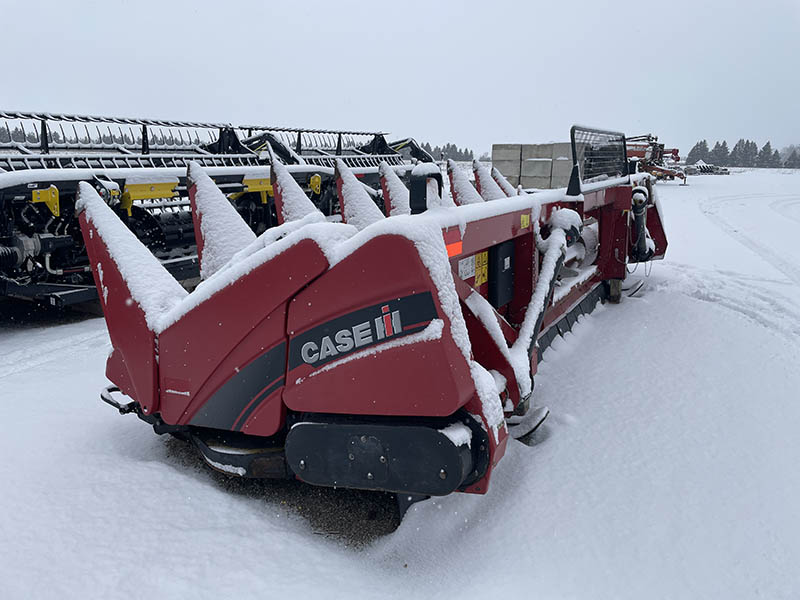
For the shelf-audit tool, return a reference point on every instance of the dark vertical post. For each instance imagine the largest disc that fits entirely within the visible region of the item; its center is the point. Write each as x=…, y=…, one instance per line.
x=145, y=141
x=44, y=142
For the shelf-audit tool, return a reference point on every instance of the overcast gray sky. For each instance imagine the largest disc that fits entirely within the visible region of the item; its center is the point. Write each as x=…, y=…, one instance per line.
x=472, y=73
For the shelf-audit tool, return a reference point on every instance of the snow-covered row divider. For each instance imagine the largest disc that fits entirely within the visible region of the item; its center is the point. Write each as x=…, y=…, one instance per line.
x=326, y=235
x=151, y=286
x=460, y=186
x=220, y=231
x=291, y=202
x=395, y=193
x=431, y=173
x=487, y=186
x=358, y=208
x=504, y=184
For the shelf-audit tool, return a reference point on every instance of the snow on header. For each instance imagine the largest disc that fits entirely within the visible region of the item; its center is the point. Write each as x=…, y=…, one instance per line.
x=290, y=199
x=425, y=231
x=424, y=169
x=508, y=189
x=463, y=191
x=358, y=209
x=395, y=193
x=565, y=218
x=555, y=247
x=488, y=189
x=223, y=231
x=150, y=284
x=326, y=235
x=432, y=198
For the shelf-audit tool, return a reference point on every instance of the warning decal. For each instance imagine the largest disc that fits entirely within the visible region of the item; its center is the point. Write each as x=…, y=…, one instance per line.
x=481, y=268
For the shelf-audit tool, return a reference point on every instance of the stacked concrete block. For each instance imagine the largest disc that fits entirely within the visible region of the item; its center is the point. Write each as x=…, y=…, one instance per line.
x=506, y=158
x=536, y=166
x=541, y=166
x=562, y=165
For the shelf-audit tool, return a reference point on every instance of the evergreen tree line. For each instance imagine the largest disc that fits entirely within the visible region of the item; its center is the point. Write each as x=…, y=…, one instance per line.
x=449, y=151
x=744, y=154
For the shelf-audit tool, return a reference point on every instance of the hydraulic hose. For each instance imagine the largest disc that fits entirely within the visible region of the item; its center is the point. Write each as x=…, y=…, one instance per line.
x=639, y=210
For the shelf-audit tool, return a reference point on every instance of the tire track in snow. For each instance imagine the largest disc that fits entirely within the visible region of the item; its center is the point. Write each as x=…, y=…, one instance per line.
x=783, y=207
x=746, y=295
x=40, y=352
x=711, y=210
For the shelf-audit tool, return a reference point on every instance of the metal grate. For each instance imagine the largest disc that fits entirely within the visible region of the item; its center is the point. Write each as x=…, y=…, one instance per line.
x=352, y=161
x=31, y=132
x=308, y=142
x=599, y=154
x=46, y=132
x=25, y=162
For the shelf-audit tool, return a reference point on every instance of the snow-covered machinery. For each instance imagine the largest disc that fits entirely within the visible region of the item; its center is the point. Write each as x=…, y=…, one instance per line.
x=392, y=349
x=139, y=166
x=703, y=168
x=652, y=157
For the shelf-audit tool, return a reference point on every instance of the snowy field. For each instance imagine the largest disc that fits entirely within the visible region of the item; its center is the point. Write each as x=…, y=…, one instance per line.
x=668, y=467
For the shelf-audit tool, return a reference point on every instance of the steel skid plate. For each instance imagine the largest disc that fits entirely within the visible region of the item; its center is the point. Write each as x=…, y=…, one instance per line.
x=403, y=458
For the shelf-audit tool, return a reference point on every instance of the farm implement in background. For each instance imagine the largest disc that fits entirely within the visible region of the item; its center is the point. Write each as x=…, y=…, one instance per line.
x=652, y=157
x=139, y=168
x=390, y=350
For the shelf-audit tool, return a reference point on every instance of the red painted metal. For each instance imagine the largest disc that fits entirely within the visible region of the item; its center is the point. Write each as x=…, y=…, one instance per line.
x=132, y=365
x=253, y=351
x=425, y=379
x=197, y=219
x=612, y=215
x=656, y=228
x=558, y=309
x=205, y=347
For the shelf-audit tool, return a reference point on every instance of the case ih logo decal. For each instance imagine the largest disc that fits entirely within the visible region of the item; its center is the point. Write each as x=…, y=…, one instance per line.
x=387, y=325
x=361, y=329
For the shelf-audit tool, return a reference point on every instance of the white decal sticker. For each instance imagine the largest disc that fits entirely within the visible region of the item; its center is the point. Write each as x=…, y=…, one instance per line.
x=466, y=267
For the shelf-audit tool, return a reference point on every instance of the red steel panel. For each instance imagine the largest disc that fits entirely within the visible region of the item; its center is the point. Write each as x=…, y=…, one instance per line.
x=132, y=365
x=425, y=378
x=193, y=351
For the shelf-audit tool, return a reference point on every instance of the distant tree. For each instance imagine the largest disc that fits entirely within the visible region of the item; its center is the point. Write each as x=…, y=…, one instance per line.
x=787, y=151
x=448, y=150
x=17, y=134
x=725, y=156
x=737, y=154
x=750, y=155
x=719, y=155
x=698, y=152
x=764, y=159
x=712, y=156
x=793, y=162
x=776, y=161
x=484, y=157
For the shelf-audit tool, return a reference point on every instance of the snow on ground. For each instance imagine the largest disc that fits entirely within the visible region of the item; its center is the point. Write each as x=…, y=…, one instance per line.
x=667, y=469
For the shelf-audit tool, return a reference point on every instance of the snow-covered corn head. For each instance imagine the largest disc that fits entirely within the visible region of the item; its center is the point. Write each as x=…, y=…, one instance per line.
x=384, y=350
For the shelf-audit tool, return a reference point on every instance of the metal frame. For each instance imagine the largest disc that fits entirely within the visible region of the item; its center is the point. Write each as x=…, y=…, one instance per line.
x=578, y=174
x=108, y=135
